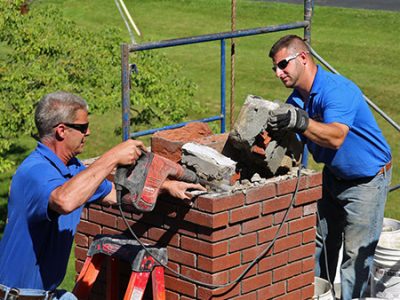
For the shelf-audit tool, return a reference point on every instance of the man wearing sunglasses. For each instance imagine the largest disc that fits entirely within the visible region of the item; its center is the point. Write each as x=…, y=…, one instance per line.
x=332, y=118
x=47, y=195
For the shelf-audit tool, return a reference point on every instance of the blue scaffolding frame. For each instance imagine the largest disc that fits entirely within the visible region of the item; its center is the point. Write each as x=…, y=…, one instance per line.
x=126, y=67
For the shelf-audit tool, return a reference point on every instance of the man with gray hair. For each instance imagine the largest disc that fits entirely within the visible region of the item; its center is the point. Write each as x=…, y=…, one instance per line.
x=47, y=194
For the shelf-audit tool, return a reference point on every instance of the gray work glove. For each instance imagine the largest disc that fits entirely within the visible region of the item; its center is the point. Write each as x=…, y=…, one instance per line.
x=288, y=117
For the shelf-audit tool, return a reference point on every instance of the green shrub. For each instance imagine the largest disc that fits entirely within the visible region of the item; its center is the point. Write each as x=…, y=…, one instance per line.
x=48, y=52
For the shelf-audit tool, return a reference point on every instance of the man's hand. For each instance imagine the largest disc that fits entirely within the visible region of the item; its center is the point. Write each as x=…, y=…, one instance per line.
x=288, y=117
x=128, y=152
x=179, y=189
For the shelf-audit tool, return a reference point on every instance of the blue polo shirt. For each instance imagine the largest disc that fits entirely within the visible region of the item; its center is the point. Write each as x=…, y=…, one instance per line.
x=36, y=245
x=334, y=98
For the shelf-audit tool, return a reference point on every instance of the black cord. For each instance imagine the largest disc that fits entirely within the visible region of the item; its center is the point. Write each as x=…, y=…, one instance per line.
x=213, y=286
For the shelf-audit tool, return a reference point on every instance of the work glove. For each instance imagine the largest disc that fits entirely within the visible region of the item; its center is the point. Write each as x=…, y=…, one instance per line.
x=288, y=117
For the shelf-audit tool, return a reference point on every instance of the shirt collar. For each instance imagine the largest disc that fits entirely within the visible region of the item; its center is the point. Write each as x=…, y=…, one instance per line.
x=47, y=153
x=317, y=83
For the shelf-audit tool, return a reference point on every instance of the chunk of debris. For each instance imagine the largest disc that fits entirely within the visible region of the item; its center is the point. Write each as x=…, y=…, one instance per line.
x=255, y=150
x=209, y=164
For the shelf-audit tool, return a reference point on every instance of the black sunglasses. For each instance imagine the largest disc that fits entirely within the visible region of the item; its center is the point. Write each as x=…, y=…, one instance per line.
x=83, y=128
x=284, y=62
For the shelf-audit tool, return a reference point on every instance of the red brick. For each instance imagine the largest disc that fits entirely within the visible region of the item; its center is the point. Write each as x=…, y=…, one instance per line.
x=315, y=179
x=84, y=213
x=235, y=273
x=276, y=204
x=257, y=224
x=81, y=253
x=205, y=248
x=244, y=213
x=309, y=235
x=268, y=234
x=273, y=261
x=218, y=264
x=181, y=257
x=242, y=242
x=308, y=196
x=172, y=267
x=260, y=193
x=289, y=186
x=78, y=266
x=310, y=209
x=163, y=236
x=180, y=286
x=307, y=292
x=171, y=295
x=139, y=229
x=249, y=296
x=252, y=253
x=207, y=220
x=294, y=213
x=218, y=293
x=89, y=228
x=302, y=252
x=288, y=242
x=218, y=235
x=256, y=282
x=216, y=278
x=286, y=272
x=270, y=292
x=102, y=218
x=302, y=224
x=218, y=204
x=295, y=295
x=107, y=230
x=301, y=280
x=308, y=264
x=81, y=240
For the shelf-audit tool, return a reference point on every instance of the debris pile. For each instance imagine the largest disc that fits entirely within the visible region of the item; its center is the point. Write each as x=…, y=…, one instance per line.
x=248, y=154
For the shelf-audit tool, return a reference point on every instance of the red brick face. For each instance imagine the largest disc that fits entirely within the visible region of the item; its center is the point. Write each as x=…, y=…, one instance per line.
x=217, y=238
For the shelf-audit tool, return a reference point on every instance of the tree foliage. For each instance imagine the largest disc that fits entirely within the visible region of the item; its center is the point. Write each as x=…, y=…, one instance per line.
x=47, y=52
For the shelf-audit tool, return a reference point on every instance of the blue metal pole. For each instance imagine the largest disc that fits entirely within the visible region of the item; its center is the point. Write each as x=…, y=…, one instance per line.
x=223, y=86
x=125, y=79
x=216, y=36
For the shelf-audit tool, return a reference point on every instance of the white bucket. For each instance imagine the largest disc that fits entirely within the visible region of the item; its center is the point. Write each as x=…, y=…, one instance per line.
x=390, y=226
x=385, y=281
x=322, y=289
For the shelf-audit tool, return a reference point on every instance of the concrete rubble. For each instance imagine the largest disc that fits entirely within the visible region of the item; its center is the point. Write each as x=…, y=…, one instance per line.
x=247, y=155
x=209, y=164
x=254, y=149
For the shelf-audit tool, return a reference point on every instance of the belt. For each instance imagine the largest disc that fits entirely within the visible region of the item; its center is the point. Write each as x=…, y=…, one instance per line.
x=14, y=294
x=385, y=168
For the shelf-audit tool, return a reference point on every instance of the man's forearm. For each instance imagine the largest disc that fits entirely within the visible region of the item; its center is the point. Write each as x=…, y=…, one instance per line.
x=76, y=191
x=326, y=135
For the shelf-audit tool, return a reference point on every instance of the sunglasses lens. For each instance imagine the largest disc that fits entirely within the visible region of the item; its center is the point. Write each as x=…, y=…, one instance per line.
x=282, y=64
x=83, y=128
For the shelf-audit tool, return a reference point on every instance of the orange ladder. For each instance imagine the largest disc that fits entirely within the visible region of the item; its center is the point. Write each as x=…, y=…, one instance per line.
x=119, y=247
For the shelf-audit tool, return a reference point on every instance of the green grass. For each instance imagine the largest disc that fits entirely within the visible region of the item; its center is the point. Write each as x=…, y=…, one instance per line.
x=363, y=45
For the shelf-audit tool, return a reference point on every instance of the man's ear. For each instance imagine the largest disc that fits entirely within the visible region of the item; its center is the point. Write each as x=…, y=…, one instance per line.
x=60, y=132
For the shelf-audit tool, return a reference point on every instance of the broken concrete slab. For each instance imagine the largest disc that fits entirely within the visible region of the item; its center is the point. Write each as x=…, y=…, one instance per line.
x=209, y=164
x=255, y=150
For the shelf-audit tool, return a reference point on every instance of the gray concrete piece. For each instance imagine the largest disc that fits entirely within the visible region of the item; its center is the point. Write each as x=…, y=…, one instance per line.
x=208, y=163
x=245, y=134
x=252, y=119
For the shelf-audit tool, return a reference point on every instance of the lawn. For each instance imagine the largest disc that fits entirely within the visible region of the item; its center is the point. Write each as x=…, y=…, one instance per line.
x=361, y=44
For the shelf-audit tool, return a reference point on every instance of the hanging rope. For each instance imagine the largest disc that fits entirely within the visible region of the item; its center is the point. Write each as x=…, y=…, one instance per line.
x=233, y=28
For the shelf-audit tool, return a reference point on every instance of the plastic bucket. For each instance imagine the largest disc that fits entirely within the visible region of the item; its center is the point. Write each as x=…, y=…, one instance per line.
x=390, y=226
x=322, y=289
x=385, y=281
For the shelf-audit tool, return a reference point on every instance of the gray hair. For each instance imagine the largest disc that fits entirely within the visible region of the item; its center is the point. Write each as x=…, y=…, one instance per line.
x=55, y=108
